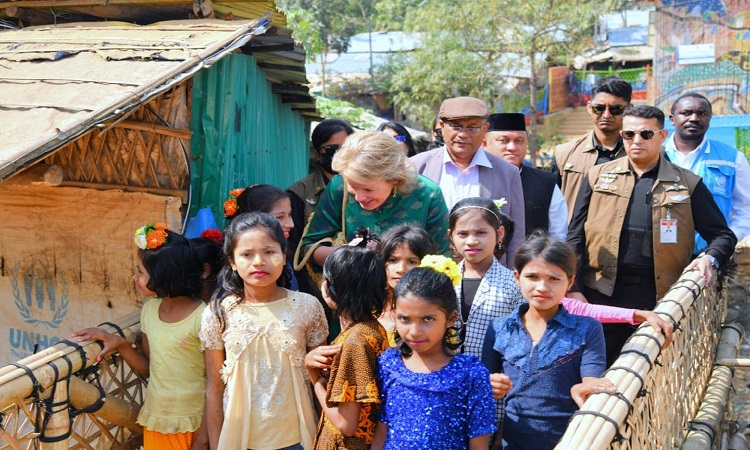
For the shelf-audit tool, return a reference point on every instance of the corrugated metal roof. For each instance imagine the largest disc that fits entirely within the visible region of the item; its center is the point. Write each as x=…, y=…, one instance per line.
x=57, y=82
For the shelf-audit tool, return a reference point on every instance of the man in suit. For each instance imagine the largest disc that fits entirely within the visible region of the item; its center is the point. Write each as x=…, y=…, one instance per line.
x=463, y=169
x=545, y=207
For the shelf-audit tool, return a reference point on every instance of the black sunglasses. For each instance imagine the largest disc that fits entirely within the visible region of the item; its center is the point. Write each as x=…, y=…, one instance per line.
x=330, y=149
x=615, y=110
x=647, y=135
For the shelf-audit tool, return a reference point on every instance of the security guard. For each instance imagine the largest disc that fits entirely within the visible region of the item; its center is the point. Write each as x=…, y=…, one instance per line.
x=634, y=225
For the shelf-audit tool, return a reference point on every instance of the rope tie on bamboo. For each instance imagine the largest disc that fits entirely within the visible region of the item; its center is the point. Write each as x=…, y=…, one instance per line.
x=681, y=285
x=51, y=407
x=618, y=436
x=116, y=327
x=682, y=308
x=89, y=374
x=642, y=392
x=671, y=317
x=81, y=351
x=642, y=355
x=36, y=388
x=702, y=427
x=653, y=338
x=618, y=395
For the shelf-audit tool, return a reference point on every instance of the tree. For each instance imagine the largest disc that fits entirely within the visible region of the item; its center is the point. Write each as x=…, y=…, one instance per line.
x=466, y=47
x=326, y=26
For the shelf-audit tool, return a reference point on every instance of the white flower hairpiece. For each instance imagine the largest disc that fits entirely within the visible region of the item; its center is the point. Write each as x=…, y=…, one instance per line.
x=500, y=202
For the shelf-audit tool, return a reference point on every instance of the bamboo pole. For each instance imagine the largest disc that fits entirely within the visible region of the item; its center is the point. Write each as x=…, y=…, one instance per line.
x=594, y=432
x=16, y=385
x=59, y=421
x=705, y=426
x=114, y=410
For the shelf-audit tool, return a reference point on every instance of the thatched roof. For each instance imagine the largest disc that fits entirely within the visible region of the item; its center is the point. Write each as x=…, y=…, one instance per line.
x=57, y=82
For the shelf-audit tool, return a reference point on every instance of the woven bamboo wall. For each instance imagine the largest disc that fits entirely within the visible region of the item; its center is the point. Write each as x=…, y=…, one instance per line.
x=147, y=151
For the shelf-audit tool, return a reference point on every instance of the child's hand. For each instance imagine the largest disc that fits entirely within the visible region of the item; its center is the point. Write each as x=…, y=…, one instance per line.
x=501, y=384
x=657, y=323
x=580, y=391
x=111, y=341
x=321, y=357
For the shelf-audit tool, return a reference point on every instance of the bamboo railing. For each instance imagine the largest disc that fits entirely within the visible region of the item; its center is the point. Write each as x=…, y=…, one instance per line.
x=658, y=404
x=45, y=403
x=659, y=392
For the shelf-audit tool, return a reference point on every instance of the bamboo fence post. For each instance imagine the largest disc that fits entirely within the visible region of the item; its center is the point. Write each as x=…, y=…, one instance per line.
x=59, y=421
x=705, y=426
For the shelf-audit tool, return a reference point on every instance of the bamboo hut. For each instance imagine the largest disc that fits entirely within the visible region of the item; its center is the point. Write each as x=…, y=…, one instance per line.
x=117, y=113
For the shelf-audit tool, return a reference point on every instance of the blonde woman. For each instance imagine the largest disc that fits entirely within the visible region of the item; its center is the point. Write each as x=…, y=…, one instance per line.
x=377, y=188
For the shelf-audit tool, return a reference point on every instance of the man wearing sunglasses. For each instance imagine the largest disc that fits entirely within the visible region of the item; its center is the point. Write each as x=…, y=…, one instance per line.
x=609, y=98
x=463, y=169
x=634, y=225
x=724, y=170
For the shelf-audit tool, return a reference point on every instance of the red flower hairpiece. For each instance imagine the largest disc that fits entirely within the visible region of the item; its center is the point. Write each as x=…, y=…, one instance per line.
x=213, y=235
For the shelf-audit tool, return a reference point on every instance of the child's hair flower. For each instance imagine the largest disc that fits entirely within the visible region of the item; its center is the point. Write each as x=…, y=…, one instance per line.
x=213, y=234
x=443, y=265
x=230, y=206
x=500, y=202
x=151, y=236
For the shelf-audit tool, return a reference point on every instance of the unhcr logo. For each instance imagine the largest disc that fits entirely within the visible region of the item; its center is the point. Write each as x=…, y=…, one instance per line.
x=36, y=296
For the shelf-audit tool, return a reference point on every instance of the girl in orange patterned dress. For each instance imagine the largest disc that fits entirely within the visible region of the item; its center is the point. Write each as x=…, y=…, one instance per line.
x=343, y=374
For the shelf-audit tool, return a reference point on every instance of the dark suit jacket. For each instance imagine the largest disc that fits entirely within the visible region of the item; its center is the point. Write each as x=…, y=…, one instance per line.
x=501, y=181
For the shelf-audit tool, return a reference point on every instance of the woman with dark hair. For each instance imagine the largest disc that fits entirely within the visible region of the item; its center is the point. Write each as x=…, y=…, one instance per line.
x=269, y=199
x=401, y=134
x=327, y=137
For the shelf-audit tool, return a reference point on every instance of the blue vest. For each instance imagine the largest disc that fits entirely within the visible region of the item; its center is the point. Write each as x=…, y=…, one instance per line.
x=716, y=165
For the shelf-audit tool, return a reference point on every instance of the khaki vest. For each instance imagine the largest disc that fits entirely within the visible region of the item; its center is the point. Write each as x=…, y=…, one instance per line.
x=574, y=159
x=609, y=203
x=310, y=189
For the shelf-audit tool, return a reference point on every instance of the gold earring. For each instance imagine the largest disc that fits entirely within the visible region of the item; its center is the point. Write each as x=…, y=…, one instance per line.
x=395, y=191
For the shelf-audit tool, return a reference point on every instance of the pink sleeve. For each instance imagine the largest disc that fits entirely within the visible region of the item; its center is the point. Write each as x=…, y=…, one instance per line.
x=602, y=313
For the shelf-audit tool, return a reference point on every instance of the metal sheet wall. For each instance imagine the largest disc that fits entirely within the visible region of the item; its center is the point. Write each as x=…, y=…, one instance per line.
x=242, y=134
x=725, y=24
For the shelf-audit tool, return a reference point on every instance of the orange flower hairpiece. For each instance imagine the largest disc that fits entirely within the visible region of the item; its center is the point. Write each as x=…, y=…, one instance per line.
x=230, y=206
x=151, y=236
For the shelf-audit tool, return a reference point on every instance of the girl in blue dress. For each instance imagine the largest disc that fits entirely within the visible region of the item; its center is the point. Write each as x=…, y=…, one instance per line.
x=430, y=397
x=543, y=360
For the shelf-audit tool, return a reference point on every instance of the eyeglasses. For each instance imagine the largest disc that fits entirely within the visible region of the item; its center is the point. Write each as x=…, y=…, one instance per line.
x=647, y=135
x=330, y=149
x=400, y=138
x=459, y=129
x=615, y=110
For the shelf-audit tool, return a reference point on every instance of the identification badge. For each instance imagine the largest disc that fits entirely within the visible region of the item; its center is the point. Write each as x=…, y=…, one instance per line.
x=668, y=233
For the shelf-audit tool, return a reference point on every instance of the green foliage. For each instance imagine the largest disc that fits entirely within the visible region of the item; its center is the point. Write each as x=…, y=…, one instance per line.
x=390, y=15
x=338, y=109
x=465, y=43
x=306, y=31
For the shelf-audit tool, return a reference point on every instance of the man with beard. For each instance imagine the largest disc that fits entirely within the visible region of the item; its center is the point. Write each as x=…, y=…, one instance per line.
x=544, y=203
x=724, y=169
x=609, y=98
